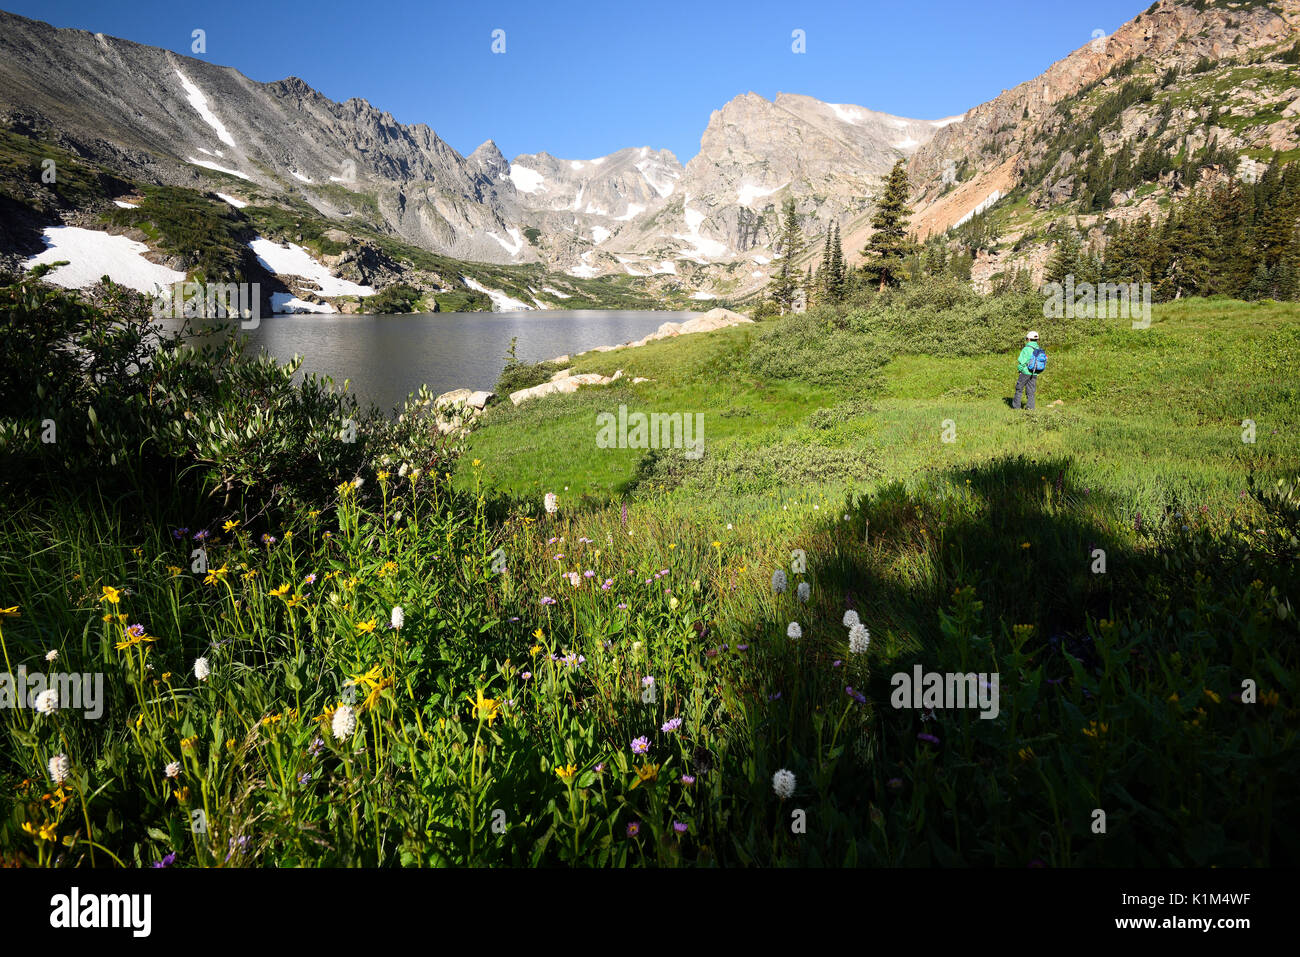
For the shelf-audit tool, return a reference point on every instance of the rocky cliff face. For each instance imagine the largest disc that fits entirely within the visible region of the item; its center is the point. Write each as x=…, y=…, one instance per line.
x=996, y=143
x=755, y=154
x=157, y=115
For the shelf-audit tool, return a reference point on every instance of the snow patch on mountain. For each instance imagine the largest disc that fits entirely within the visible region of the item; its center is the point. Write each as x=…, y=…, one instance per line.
x=586, y=270
x=599, y=234
x=500, y=301
x=526, y=180
x=556, y=293
x=294, y=260
x=989, y=200
x=511, y=247
x=237, y=203
x=748, y=192
x=846, y=112
x=287, y=302
x=208, y=164
x=200, y=104
x=91, y=254
x=633, y=210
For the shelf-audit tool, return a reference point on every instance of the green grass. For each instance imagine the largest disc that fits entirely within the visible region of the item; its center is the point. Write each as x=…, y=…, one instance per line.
x=1168, y=402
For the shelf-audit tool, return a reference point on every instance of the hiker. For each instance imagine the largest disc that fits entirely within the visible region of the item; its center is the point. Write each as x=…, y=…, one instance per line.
x=1031, y=361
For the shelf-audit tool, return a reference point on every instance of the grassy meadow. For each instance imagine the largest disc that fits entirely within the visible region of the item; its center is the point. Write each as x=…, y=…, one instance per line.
x=393, y=653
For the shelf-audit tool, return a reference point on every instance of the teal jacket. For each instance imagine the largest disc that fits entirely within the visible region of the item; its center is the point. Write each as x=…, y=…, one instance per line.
x=1027, y=353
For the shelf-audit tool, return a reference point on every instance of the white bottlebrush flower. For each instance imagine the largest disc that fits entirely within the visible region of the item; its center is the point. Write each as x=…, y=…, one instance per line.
x=551, y=502
x=859, y=639
x=345, y=722
x=47, y=702
x=415, y=474
x=173, y=770
x=794, y=631
x=850, y=618
x=805, y=592
x=401, y=472
x=60, y=768
x=398, y=617
x=783, y=784
x=201, y=669
x=52, y=655
x=778, y=581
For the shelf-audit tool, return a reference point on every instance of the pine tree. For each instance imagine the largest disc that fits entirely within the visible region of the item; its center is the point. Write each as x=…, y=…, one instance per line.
x=823, y=285
x=1065, y=257
x=889, y=245
x=839, y=278
x=783, y=287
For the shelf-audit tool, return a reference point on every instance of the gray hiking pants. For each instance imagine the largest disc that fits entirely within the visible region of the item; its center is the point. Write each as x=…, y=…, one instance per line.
x=1027, y=382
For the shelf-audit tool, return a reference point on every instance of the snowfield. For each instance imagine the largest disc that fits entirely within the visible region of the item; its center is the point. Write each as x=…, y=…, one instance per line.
x=703, y=246
x=124, y=204
x=599, y=234
x=989, y=200
x=237, y=203
x=948, y=119
x=500, y=301
x=556, y=293
x=285, y=302
x=92, y=254
x=200, y=104
x=586, y=270
x=296, y=261
x=633, y=209
x=749, y=192
x=526, y=180
x=660, y=179
x=208, y=164
x=511, y=247
x=298, y=176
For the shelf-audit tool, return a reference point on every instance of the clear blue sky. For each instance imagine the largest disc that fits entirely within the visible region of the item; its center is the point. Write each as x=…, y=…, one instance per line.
x=582, y=79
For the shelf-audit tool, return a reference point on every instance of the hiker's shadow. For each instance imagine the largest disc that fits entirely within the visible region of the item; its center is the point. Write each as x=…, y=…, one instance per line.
x=1007, y=400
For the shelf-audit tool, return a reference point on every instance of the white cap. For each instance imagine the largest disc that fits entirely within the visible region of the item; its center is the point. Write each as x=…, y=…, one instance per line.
x=1031, y=335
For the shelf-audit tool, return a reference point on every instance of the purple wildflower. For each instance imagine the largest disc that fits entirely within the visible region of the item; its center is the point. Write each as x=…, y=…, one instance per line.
x=634, y=828
x=928, y=738
x=672, y=724
x=681, y=827
x=688, y=779
x=641, y=745
x=167, y=861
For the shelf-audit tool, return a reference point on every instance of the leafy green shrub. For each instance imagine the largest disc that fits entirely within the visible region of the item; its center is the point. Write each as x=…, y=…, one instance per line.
x=399, y=298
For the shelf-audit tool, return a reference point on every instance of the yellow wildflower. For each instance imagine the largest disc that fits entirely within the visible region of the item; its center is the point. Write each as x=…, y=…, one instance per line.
x=644, y=773
x=216, y=575
x=10, y=612
x=567, y=772
x=366, y=627
x=485, y=708
x=1212, y=696
x=111, y=595
x=230, y=526
x=279, y=592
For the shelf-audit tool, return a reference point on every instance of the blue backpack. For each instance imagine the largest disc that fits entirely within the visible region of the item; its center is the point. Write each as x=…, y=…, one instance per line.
x=1038, y=361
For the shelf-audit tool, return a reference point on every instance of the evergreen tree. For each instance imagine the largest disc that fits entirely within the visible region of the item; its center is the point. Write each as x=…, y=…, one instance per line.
x=889, y=245
x=784, y=286
x=839, y=277
x=1065, y=257
x=823, y=284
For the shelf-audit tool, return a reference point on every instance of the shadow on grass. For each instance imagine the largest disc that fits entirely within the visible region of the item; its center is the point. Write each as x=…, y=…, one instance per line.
x=1038, y=550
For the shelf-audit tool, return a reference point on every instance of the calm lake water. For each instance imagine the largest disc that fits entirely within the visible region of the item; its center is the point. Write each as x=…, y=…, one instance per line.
x=387, y=357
